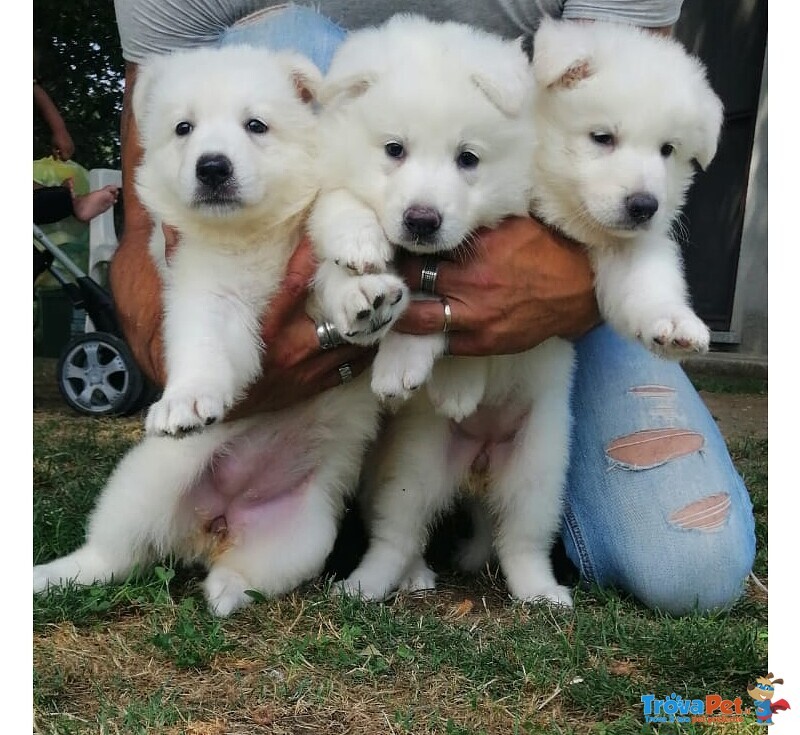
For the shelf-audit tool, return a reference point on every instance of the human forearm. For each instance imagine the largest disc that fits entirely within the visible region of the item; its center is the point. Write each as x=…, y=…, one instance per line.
x=63, y=146
x=135, y=283
x=48, y=110
x=522, y=285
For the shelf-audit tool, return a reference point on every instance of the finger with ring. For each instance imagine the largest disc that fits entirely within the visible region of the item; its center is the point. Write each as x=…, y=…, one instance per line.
x=345, y=372
x=328, y=336
x=448, y=316
x=427, y=278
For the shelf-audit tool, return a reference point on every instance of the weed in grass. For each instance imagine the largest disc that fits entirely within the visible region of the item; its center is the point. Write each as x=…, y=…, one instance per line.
x=191, y=639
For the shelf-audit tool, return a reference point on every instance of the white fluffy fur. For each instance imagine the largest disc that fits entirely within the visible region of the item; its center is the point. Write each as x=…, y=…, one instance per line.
x=439, y=90
x=646, y=91
x=168, y=495
x=514, y=411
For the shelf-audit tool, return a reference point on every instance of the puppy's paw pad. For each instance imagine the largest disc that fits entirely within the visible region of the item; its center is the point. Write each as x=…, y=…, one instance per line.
x=691, y=335
x=177, y=414
x=676, y=336
x=368, y=306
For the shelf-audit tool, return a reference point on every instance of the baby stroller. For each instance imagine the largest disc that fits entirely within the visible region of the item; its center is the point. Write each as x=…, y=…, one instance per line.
x=97, y=374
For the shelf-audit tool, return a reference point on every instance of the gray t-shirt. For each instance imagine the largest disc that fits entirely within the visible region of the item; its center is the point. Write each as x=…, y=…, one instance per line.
x=159, y=26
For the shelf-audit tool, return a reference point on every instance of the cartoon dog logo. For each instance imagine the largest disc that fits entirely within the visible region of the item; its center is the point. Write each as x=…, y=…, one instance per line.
x=762, y=694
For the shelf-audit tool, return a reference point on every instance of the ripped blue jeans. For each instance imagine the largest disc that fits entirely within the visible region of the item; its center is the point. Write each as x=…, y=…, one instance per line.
x=654, y=505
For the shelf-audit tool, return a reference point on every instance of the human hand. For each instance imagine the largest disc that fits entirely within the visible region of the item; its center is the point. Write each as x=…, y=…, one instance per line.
x=63, y=147
x=294, y=366
x=520, y=285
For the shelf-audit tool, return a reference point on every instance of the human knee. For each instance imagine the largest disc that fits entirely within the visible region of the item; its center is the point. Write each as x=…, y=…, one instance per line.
x=697, y=569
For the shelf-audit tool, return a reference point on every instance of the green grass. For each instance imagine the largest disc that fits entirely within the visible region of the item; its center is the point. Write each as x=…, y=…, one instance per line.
x=146, y=656
x=730, y=384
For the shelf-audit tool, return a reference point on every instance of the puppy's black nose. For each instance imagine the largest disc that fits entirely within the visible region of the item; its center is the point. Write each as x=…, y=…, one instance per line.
x=422, y=221
x=213, y=169
x=641, y=206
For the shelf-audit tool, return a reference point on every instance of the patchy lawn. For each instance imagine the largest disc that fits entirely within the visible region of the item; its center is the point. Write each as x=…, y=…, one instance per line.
x=145, y=656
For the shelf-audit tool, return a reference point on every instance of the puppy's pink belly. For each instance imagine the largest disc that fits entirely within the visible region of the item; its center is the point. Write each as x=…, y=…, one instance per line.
x=486, y=438
x=249, y=483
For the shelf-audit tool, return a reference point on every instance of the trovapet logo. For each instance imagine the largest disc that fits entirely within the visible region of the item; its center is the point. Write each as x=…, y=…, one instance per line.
x=714, y=708
x=762, y=693
x=675, y=708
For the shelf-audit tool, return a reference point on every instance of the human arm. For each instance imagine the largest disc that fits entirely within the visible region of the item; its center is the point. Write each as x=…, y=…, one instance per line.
x=63, y=146
x=521, y=285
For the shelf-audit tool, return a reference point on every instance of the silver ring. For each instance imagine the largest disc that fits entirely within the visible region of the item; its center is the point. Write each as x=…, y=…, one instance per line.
x=328, y=336
x=345, y=372
x=427, y=278
x=448, y=316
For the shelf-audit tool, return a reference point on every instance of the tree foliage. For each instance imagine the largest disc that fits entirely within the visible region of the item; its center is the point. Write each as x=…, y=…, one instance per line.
x=79, y=63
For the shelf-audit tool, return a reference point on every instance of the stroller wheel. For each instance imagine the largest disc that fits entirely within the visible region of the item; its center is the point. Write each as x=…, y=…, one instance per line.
x=98, y=376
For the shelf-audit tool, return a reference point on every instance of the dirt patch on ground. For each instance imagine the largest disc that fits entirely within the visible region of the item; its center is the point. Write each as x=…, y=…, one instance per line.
x=738, y=415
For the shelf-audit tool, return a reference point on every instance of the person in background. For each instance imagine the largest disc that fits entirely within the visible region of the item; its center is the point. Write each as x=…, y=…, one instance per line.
x=54, y=203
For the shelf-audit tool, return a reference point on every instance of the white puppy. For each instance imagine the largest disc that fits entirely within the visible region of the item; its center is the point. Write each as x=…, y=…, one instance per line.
x=229, y=142
x=614, y=143
x=432, y=127
x=621, y=117
x=423, y=141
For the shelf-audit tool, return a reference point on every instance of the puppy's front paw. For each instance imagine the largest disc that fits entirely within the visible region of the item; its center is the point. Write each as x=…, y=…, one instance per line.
x=677, y=335
x=364, y=251
x=395, y=381
x=403, y=364
x=364, y=308
x=181, y=412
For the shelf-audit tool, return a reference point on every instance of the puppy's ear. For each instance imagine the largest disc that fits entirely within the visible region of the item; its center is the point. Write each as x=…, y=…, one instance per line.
x=561, y=54
x=704, y=137
x=347, y=87
x=505, y=79
x=356, y=66
x=305, y=75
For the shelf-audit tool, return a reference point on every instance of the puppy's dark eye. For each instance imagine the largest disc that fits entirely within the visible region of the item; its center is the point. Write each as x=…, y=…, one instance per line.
x=604, y=139
x=467, y=159
x=667, y=150
x=257, y=127
x=394, y=149
x=183, y=128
